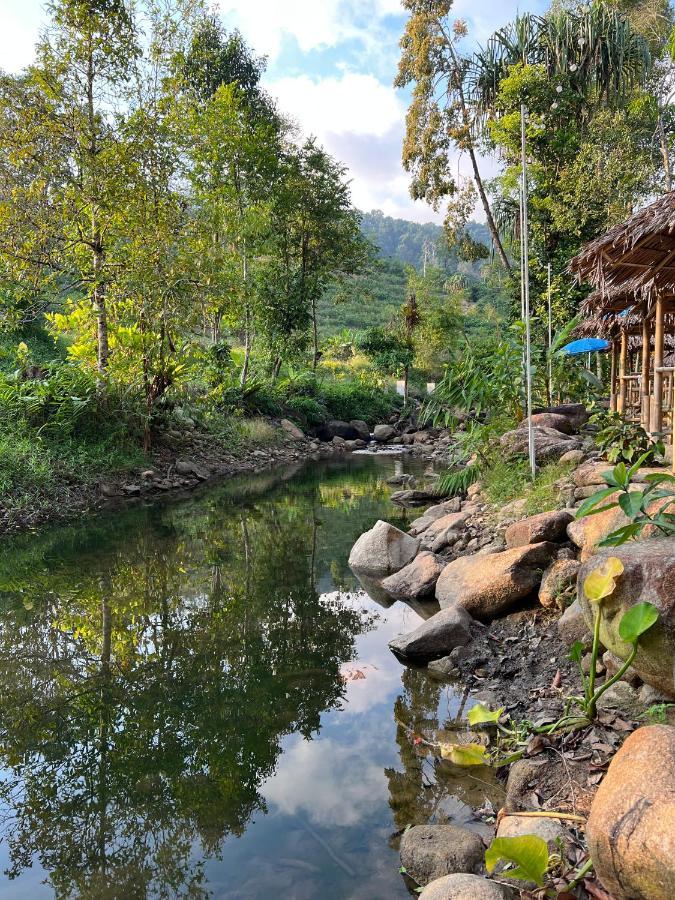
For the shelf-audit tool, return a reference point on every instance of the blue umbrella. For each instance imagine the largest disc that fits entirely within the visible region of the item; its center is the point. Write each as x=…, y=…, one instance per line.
x=585, y=345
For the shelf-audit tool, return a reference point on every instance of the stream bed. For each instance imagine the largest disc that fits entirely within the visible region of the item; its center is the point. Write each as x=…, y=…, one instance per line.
x=197, y=700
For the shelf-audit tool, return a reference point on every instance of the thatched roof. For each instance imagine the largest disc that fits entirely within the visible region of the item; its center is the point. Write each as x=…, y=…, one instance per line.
x=635, y=258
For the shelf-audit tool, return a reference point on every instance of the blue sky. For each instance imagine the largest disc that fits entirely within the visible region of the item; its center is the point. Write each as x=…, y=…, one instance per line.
x=331, y=64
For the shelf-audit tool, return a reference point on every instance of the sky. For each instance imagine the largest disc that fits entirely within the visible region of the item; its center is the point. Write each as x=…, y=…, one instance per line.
x=331, y=64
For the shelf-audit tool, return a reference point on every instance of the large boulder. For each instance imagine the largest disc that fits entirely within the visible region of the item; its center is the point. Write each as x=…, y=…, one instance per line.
x=546, y=526
x=417, y=580
x=413, y=497
x=549, y=443
x=383, y=433
x=631, y=828
x=430, y=515
x=649, y=575
x=452, y=522
x=361, y=428
x=382, y=551
x=434, y=638
x=431, y=851
x=575, y=412
x=292, y=430
x=549, y=420
x=558, y=583
x=465, y=887
x=487, y=585
x=336, y=428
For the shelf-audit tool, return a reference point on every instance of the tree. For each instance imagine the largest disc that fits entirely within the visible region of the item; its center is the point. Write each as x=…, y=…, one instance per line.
x=440, y=115
x=57, y=219
x=317, y=240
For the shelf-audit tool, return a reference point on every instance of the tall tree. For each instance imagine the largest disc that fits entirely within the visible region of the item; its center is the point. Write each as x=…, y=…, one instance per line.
x=441, y=115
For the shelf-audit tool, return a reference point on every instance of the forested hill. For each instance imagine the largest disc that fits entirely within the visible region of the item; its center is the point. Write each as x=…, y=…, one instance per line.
x=409, y=241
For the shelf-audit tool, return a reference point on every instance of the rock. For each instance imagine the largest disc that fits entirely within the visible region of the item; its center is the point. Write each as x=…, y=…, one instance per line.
x=487, y=585
x=465, y=887
x=339, y=443
x=350, y=446
x=546, y=526
x=431, y=851
x=649, y=696
x=361, y=428
x=649, y=575
x=559, y=582
x=549, y=420
x=572, y=626
x=548, y=830
x=589, y=531
x=403, y=478
x=512, y=510
x=443, y=666
x=413, y=497
x=383, y=433
x=586, y=663
x=573, y=457
x=575, y=412
x=382, y=551
x=190, y=467
x=631, y=827
x=434, y=638
x=107, y=489
x=450, y=522
x=292, y=430
x=421, y=437
x=417, y=580
x=336, y=428
x=430, y=516
x=474, y=490
x=612, y=665
x=620, y=696
x=131, y=489
x=549, y=443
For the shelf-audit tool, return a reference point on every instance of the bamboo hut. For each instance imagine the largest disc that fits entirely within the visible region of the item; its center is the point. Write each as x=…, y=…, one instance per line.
x=632, y=268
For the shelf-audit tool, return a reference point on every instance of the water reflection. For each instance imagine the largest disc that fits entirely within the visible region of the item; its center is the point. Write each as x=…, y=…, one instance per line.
x=193, y=701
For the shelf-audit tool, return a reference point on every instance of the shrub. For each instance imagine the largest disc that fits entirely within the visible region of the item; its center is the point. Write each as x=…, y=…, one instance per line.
x=348, y=400
x=307, y=409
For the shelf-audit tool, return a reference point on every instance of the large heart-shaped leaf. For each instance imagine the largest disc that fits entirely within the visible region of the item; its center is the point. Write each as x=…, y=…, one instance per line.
x=631, y=503
x=481, y=714
x=464, y=754
x=600, y=582
x=529, y=853
x=639, y=619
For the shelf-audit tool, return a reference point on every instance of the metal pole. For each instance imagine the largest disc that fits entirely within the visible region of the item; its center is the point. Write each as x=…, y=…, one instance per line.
x=550, y=338
x=526, y=298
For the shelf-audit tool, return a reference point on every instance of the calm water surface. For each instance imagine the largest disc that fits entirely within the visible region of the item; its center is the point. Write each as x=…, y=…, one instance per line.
x=196, y=700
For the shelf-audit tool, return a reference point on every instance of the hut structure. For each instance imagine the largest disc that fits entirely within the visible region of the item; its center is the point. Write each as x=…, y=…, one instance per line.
x=632, y=270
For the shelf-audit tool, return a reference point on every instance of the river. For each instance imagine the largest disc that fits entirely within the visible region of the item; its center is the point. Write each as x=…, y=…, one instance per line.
x=196, y=700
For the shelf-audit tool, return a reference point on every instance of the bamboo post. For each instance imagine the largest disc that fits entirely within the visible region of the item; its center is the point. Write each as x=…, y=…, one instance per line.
x=657, y=405
x=612, y=378
x=646, y=359
x=623, y=384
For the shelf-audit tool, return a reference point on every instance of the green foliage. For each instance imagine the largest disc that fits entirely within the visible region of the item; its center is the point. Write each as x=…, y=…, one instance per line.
x=529, y=854
x=639, y=619
x=621, y=440
x=650, y=506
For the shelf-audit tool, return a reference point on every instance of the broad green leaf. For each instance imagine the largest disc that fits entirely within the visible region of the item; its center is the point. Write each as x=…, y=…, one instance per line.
x=576, y=651
x=631, y=503
x=529, y=853
x=480, y=714
x=620, y=473
x=464, y=754
x=621, y=535
x=637, y=621
x=593, y=501
x=601, y=581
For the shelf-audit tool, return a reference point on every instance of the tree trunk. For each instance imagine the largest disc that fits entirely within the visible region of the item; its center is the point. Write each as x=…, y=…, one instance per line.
x=315, y=334
x=248, y=338
x=98, y=255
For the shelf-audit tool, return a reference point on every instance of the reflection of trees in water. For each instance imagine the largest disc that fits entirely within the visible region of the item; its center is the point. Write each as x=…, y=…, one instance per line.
x=429, y=787
x=150, y=666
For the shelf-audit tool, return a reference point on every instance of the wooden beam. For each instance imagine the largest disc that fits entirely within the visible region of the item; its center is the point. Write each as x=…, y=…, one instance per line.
x=612, y=379
x=657, y=402
x=623, y=359
x=646, y=359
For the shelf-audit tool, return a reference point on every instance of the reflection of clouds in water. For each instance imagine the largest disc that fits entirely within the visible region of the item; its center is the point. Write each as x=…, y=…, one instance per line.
x=329, y=783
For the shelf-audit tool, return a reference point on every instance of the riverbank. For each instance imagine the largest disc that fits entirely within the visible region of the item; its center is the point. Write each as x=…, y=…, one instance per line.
x=180, y=460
